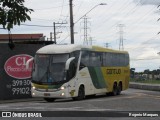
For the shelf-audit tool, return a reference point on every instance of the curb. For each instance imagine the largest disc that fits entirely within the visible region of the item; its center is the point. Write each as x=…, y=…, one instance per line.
x=143, y=86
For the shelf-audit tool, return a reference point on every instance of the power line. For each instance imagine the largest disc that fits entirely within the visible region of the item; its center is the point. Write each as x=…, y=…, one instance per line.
x=36, y=25
x=141, y=19
x=61, y=9
x=64, y=39
x=43, y=19
x=106, y=11
x=50, y=8
x=66, y=36
x=54, y=26
x=125, y=16
x=109, y=18
x=142, y=43
x=133, y=12
x=40, y=25
x=79, y=7
x=141, y=34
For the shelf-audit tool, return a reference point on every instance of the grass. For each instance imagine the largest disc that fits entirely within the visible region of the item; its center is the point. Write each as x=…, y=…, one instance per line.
x=145, y=81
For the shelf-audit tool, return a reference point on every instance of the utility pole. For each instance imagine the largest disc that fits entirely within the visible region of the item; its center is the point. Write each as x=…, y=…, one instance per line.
x=54, y=27
x=55, y=33
x=51, y=36
x=121, y=47
x=71, y=22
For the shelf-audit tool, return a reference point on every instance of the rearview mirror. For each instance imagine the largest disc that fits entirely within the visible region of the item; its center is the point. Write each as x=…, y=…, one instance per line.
x=68, y=63
x=28, y=61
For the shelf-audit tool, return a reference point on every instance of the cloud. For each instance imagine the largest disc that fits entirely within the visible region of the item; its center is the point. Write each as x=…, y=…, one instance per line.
x=148, y=2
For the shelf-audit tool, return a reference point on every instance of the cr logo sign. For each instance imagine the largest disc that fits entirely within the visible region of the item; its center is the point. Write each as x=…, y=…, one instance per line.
x=20, y=61
x=15, y=66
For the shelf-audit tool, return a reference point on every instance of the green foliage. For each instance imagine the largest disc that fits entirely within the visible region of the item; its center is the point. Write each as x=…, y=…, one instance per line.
x=145, y=81
x=13, y=12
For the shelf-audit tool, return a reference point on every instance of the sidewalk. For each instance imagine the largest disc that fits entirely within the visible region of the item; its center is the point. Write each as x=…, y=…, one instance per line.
x=145, y=86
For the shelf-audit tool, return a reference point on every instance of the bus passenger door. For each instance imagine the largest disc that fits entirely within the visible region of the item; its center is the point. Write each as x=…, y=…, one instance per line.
x=84, y=73
x=84, y=78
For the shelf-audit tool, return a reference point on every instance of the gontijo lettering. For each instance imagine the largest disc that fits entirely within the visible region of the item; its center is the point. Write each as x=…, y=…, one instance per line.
x=113, y=71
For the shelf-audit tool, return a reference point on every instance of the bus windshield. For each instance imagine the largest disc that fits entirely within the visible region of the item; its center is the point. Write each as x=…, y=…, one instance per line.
x=49, y=69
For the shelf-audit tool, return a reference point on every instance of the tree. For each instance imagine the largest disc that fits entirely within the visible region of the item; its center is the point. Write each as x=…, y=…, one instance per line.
x=13, y=12
x=147, y=71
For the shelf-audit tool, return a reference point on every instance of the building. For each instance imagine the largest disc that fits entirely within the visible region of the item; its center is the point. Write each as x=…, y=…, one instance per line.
x=4, y=38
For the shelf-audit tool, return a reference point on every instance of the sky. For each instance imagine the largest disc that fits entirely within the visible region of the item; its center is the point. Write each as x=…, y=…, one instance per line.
x=138, y=18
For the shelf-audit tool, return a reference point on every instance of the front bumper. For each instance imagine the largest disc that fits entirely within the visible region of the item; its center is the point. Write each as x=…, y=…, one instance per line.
x=45, y=94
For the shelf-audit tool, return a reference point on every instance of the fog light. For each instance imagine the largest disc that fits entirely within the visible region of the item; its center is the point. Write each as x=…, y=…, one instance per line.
x=33, y=94
x=62, y=94
x=33, y=88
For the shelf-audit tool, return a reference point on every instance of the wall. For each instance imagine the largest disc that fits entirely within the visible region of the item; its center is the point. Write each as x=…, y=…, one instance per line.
x=15, y=79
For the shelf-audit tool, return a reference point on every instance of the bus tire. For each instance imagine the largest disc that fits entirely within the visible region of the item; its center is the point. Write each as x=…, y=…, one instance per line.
x=81, y=94
x=119, y=89
x=49, y=99
x=115, y=89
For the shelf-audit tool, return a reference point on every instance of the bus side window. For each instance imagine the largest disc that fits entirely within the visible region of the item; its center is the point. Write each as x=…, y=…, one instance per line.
x=126, y=59
x=108, y=59
x=84, y=60
x=73, y=65
x=76, y=55
x=95, y=59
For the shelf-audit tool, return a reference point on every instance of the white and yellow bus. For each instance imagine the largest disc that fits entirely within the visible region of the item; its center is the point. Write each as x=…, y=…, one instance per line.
x=76, y=71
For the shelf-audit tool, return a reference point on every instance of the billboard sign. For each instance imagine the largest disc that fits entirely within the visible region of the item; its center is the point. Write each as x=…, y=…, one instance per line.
x=15, y=66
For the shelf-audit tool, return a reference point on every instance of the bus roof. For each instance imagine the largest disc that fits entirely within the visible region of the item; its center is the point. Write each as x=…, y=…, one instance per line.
x=102, y=49
x=59, y=49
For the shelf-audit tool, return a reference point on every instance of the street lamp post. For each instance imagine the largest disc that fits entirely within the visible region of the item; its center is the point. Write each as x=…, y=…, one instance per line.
x=89, y=11
x=71, y=19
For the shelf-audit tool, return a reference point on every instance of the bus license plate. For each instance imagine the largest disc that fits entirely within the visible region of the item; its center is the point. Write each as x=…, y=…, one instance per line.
x=46, y=94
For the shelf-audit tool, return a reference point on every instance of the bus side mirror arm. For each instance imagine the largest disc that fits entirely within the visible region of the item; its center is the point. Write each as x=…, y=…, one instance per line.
x=28, y=61
x=68, y=63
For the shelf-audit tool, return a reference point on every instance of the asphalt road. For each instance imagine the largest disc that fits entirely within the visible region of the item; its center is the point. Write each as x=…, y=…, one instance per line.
x=132, y=101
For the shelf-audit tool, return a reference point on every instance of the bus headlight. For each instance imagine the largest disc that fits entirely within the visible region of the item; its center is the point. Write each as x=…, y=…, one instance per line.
x=62, y=88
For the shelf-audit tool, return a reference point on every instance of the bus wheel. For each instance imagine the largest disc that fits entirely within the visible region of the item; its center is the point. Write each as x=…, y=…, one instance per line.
x=115, y=89
x=49, y=99
x=119, y=89
x=81, y=94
